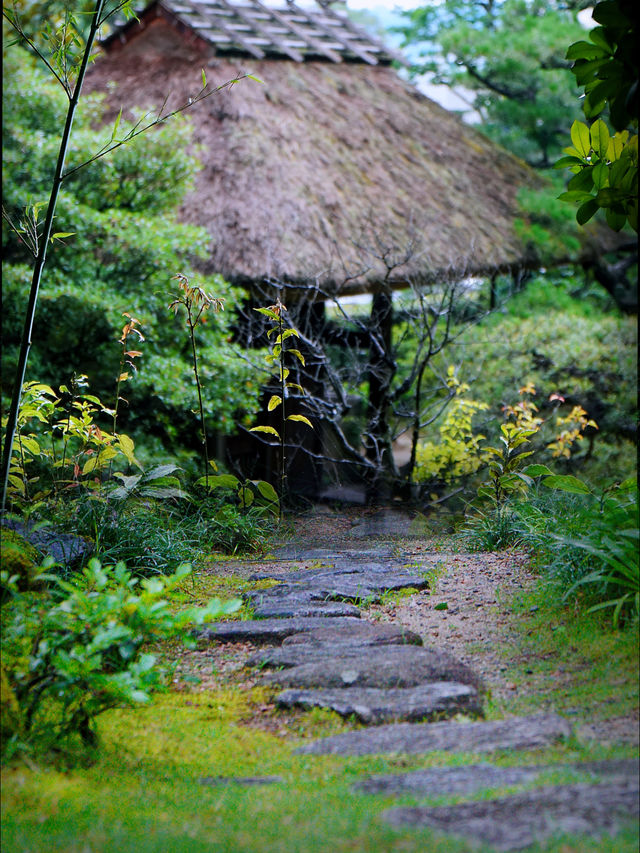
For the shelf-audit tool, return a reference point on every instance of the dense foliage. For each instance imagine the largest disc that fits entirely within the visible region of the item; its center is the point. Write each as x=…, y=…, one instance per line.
x=125, y=243
x=509, y=55
x=605, y=162
x=76, y=650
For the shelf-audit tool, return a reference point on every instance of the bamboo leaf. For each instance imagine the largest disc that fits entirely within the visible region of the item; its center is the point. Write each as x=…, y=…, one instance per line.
x=116, y=125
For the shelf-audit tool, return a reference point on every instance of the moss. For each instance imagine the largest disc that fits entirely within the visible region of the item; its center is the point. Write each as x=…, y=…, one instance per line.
x=18, y=558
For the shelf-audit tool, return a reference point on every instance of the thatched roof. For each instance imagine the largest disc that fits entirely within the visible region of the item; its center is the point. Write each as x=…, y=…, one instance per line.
x=330, y=163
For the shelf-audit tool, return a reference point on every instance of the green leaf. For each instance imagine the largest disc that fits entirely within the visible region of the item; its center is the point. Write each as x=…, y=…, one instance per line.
x=266, y=490
x=253, y=77
x=274, y=402
x=581, y=137
x=204, y=80
x=267, y=313
x=569, y=160
x=300, y=418
x=221, y=481
x=584, y=50
x=537, y=471
x=586, y=211
x=161, y=471
x=116, y=125
x=600, y=137
x=268, y=429
x=599, y=36
x=583, y=180
x=600, y=174
x=575, y=196
x=615, y=219
x=567, y=483
x=246, y=496
x=298, y=355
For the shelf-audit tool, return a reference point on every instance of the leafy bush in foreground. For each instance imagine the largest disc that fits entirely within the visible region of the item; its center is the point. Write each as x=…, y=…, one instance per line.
x=72, y=653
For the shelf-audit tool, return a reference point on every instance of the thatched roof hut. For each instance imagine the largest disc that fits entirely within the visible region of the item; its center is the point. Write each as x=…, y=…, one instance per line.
x=332, y=162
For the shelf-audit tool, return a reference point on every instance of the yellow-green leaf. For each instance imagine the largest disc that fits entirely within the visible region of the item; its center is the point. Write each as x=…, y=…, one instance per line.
x=89, y=465
x=268, y=429
x=300, y=418
x=600, y=137
x=581, y=137
x=274, y=402
x=298, y=355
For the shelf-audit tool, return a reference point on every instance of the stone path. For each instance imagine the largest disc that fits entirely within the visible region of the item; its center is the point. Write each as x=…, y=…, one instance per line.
x=316, y=644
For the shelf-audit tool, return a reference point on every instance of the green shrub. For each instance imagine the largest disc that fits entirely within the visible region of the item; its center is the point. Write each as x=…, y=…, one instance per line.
x=77, y=651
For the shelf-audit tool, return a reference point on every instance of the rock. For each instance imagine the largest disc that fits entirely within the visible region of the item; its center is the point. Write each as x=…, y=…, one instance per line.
x=388, y=667
x=294, y=608
x=373, y=706
x=269, y=630
x=301, y=553
x=518, y=821
x=65, y=548
x=439, y=781
x=249, y=781
x=338, y=585
x=360, y=633
x=525, y=733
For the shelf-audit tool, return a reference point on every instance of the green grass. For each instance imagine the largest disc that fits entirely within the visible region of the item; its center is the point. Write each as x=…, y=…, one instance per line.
x=143, y=792
x=571, y=662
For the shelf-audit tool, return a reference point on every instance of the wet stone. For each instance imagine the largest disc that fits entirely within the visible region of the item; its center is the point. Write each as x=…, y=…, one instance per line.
x=373, y=706
x=353, y=632
x=269, y=630
x=293, y=607
x=520, y=820
x=247, y=781
x=65, y=548
x=524, y=733
x=353, y=666
x=439, y=781
x=355, y=588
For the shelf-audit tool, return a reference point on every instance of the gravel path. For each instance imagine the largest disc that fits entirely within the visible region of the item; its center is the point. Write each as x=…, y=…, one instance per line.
x=466, y=613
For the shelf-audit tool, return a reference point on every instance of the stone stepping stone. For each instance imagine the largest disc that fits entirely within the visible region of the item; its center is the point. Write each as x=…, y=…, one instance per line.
x=303, y=554
x=268, y=630
x=357, y=565
x=439, y=781
x=374, y=706
x=361, y=633
x=246, y=781
x=354, y=586
x=314, y=629
x=525, y=733
x=296, y=606
x=391, y=667
x=520, y=820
